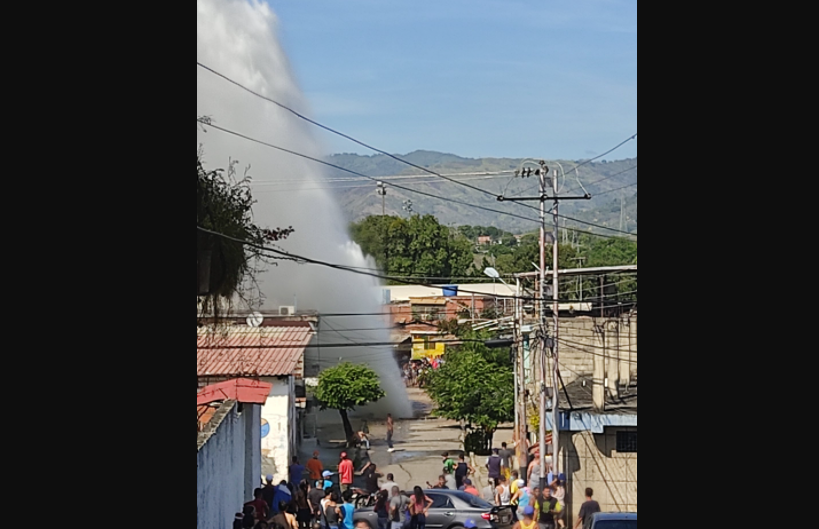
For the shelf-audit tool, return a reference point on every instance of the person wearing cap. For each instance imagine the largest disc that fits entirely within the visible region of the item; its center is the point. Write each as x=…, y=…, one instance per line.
x=237, y=520
x=314, y=467
x=269, y=490
x=345, y=471
x=326, y=482
x=469, y=488
x=520, y=498
x=528, y=521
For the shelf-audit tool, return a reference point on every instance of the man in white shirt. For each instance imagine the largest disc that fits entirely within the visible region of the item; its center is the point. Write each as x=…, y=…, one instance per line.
x=389, y=484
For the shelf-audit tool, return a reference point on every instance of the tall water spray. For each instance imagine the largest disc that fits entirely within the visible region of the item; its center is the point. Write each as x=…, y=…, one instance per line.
x=238, y=38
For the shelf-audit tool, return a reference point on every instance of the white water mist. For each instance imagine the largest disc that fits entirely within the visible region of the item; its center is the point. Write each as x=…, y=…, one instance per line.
x=238, y=38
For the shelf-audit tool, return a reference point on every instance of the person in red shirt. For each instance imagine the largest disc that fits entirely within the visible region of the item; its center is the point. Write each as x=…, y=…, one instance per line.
x=345, y=471
x=315, y=467
x=469, y=488
x=261, y=506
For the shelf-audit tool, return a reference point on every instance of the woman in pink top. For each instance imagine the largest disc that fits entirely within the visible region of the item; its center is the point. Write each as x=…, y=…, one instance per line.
x=419, y=507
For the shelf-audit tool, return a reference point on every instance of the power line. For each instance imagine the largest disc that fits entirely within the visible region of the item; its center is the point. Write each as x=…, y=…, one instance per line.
x=605, y=153
x=612, y=176
x=316, y=123
x=616, y=189
x=210, y=124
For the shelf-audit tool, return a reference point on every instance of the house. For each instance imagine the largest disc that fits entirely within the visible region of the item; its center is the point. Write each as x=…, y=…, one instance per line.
x=598, y=446
x=228, y=449
x=484, y=239
x=272, y=353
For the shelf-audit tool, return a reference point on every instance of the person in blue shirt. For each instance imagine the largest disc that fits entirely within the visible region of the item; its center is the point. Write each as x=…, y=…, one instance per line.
x=348, y=508
x=326, y=483
x=282, y=495
x=296, y=472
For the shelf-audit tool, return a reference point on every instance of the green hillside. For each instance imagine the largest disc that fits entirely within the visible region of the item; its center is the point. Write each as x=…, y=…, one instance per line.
x=359, y=199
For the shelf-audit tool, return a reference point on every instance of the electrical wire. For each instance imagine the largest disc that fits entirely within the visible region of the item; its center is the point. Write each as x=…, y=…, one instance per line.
x=316, y=123
x=616, y=189
x=452, y=200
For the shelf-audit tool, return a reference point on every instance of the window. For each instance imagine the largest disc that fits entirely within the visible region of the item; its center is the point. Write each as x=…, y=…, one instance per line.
x=626, y=441
x=427, y=344
x=439, y=501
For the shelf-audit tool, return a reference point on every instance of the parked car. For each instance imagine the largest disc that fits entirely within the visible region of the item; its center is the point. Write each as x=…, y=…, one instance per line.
x=450, y=509
x=614, y=520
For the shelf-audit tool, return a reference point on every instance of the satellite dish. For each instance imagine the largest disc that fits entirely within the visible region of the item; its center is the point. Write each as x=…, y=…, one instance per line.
x=255, y=319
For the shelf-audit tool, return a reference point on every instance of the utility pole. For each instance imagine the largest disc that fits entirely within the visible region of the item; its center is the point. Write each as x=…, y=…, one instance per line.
x=547, y=342
x=555, y=386
x=381, y=189
x=520, y=389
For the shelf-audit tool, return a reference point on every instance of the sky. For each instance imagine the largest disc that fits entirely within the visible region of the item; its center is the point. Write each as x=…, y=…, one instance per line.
x=476, y=78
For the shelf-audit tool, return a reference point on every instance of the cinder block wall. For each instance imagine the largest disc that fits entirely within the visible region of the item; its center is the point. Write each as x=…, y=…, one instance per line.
x=581, y=337
x=591, y=460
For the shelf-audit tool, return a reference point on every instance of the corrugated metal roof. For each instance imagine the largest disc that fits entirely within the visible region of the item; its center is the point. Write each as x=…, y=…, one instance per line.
x=249, y=351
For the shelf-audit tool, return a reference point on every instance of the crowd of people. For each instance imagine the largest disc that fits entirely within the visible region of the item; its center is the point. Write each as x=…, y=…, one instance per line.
x=414, y=371
x=320, y=503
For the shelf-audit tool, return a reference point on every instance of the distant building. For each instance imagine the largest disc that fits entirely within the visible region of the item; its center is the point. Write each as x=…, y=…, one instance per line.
x=484, y=239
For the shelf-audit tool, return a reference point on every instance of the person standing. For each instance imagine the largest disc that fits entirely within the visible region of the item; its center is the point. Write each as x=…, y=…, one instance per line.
x=269, y=491
x=419, y=508
x=520, y=498
x=493, y=464
x=588, y=508
x=296, y=471
x=261, y=507
x=398, y=508
x=488, y=492
x=328, y=494
x=449, y=471
x=371, y=478
x=468, y=488
x=528, y=521
x=283, y=495
x=348, y=508
x=237, y=520
x=315, y=496
x=506, y=461
x=325, y=482
x=333, y=514
x=547, y=509
x=315, y=467
x=390, y=427
x=382, y=509
x=502, y=494
x=284, y=518
x=302, y=501
x=388, y=485
x=345, y=471
x=462, y=471
x=559, y=492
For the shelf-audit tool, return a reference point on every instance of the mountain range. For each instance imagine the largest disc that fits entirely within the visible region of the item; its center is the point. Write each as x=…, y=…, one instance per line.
x=612, y=184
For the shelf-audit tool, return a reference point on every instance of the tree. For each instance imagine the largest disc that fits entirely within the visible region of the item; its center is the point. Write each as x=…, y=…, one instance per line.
x=223, y=205
x=419, y=246
x=346, y=386
x=476, y=385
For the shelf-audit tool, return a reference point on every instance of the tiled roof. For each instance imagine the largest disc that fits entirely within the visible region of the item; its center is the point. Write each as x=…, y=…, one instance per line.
x=249, y=351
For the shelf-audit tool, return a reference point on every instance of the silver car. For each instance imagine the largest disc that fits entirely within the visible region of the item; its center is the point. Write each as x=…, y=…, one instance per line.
x=614, y=520
x=450, y=509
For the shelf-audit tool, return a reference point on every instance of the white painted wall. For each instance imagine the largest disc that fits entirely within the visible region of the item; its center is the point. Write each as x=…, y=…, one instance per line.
x=225, y=468
x=279, y=412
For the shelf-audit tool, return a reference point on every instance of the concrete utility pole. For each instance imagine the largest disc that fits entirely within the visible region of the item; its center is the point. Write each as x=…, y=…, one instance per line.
x=522, y=451
x=381, y=189
x=552, y=342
